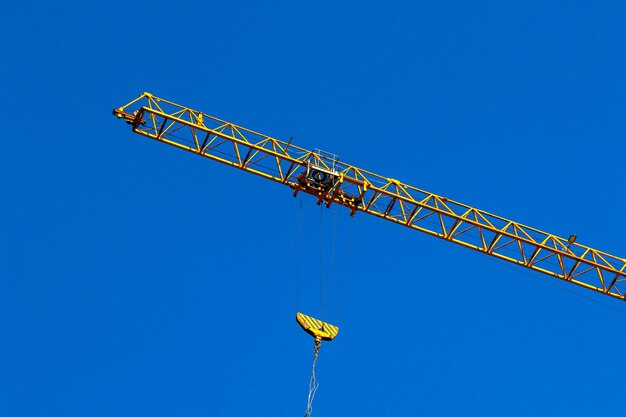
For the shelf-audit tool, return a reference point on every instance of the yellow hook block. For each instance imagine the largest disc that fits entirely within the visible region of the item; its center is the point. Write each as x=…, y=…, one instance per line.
x=317, y=328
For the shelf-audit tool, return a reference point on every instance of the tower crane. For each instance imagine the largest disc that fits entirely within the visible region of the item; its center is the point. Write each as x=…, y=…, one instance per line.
x=332, y=181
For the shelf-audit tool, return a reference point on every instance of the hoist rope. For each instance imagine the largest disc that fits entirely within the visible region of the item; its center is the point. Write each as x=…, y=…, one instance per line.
x=321, y=260
x=331, y=268
x=344, y=279
x=313, y=384
x=299, y=256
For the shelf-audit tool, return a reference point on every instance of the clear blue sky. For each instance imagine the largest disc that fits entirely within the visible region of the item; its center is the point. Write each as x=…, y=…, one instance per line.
x=139, y=280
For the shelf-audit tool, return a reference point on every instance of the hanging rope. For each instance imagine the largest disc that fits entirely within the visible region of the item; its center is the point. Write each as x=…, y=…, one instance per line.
x=313, y=384
x=331, y=268
x=346, y=272
x=321, y=260
x=298, y=256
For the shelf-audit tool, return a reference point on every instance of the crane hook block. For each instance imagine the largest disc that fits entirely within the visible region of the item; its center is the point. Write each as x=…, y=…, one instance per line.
x=317, y=328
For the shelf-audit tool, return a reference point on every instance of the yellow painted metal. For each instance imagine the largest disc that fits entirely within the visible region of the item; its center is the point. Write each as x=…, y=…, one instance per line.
x=387, y=198
x=318, y=329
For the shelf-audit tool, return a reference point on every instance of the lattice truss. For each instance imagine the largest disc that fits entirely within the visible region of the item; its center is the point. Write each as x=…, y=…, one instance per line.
x=331, y=181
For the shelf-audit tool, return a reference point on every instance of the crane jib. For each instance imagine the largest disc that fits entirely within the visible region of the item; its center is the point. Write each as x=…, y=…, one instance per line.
x=331, y=181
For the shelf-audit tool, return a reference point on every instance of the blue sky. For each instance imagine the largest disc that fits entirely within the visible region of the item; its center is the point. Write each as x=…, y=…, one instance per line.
x=136, y=279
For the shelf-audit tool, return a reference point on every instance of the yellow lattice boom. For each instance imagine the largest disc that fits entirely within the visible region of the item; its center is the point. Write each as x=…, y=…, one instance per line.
x=335, y=182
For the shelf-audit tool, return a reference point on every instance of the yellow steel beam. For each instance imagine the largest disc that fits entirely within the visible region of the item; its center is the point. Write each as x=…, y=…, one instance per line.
x=383, y=197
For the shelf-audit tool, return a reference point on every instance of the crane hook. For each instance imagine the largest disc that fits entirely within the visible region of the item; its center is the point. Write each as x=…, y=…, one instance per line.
x=320, y=331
